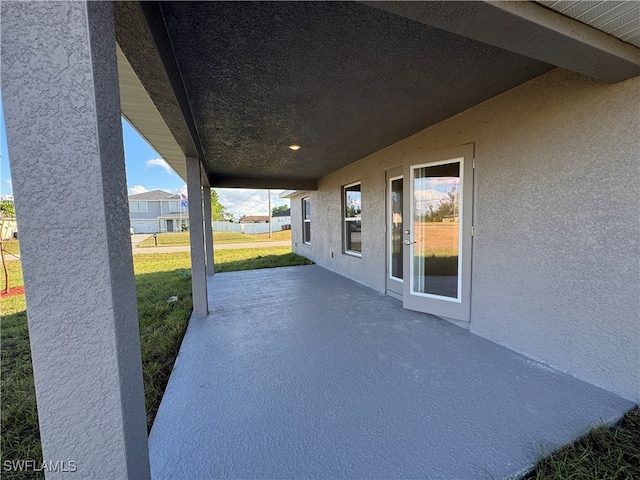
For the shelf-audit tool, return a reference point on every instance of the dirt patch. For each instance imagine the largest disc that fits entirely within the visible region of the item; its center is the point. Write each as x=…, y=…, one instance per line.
x=13, y=291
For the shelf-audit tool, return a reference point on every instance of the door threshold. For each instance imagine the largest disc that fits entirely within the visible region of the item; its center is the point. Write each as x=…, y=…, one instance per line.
x=459, y=323
x=397, y=296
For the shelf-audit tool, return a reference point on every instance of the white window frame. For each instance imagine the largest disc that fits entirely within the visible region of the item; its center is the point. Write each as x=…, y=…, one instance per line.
x=346, y=220
x=305, y=220
x=138, y=204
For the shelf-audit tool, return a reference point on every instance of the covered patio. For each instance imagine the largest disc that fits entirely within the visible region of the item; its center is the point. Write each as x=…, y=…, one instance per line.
x=294, y=372
x=313, y=375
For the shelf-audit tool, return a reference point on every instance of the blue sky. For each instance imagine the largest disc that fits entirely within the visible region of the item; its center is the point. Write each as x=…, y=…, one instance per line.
x=147, y=171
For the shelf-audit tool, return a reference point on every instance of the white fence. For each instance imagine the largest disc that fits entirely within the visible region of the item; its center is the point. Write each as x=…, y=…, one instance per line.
x=247, y=228
x=9, y=227
x=225, y=227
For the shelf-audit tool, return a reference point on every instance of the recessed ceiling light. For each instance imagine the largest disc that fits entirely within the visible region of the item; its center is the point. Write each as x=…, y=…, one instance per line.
x=294, y=147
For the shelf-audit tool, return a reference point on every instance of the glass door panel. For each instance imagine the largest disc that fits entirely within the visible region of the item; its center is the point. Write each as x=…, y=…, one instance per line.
x=394, y=235
x=436, y=230
x=396, y=250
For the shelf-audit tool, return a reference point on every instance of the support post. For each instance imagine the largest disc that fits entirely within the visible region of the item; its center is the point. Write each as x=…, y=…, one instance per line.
x=208, y=232
x=196, y=238
x=62, y=105
x=270, y=215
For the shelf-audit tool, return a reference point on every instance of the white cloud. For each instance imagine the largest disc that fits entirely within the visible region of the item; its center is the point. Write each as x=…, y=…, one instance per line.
x=8, y=182
x=436, y=181
x=244, y=201
x=137, y=189
x=429, y=195
x=428, y=198
x=179, y=191
x=159, y=162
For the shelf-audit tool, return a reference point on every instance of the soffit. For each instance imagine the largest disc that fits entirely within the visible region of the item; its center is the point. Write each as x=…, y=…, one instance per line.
x=142, y=114
x=620, y=19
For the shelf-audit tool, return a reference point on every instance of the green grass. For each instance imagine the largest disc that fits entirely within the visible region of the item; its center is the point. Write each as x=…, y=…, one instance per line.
x=438, y=266
x=220, y=238
x=605, y=453
x=11, y=246
x=162, y=326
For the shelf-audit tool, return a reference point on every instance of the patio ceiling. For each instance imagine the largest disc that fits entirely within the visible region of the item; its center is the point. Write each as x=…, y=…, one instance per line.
x=236, y=83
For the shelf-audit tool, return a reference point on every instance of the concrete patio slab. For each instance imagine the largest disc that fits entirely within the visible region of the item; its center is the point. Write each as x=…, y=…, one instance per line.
x=302, y=373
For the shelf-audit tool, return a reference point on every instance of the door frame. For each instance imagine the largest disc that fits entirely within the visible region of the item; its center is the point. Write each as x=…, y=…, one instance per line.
x=394, y=286
x=455, y=309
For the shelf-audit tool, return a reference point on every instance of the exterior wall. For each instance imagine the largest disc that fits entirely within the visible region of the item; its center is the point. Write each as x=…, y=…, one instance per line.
x=153, y=211
x=555, y=270
x=165, y=207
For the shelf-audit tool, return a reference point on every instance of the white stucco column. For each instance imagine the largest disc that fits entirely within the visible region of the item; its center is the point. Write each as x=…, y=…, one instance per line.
x=208, y=232
x=196, y=238
x=62, y=106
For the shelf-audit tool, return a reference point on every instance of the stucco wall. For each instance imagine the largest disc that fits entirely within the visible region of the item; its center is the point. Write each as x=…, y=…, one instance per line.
x=555, y=262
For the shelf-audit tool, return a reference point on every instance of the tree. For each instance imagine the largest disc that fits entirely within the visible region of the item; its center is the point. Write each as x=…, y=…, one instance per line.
x=448, y=207
x=278, y=209
x=218, y=211
x=8, y=209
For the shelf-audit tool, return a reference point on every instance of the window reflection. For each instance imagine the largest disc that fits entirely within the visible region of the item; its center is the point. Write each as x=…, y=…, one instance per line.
x=396, y=228
x=436, y=229
x=352, y=219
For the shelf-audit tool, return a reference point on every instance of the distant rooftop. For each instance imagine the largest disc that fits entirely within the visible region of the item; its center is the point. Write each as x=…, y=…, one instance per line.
x=254, y=219
x=284, y=213
x=154, y=195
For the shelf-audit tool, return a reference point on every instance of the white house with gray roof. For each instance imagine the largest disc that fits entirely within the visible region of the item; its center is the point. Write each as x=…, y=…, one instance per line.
x=157, y=211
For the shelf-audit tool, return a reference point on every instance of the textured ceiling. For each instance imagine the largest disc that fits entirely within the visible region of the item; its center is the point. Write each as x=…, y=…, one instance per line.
x=235, y=83
x=343, y=80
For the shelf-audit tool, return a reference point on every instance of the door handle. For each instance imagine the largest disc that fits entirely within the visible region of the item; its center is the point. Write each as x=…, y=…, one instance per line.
x=408, y=242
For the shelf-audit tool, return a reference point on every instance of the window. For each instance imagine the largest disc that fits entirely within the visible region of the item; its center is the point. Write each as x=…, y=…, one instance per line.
x=138, y=207
x=352, y=219
x=306, y=220
x=174, y=207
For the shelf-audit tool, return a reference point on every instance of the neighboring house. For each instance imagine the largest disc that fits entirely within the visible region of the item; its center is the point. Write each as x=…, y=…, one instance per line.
x=157, y=211
x=255, y=219
x=281, y=220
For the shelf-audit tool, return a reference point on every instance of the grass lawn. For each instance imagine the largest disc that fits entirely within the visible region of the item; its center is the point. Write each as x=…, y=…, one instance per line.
x=605, y=453
x=162, y=326
x=11, y=246
x=182, y=238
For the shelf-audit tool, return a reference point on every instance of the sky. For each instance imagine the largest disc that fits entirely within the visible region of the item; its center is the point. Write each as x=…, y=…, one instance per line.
x=146, y=170
x=432, y=191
